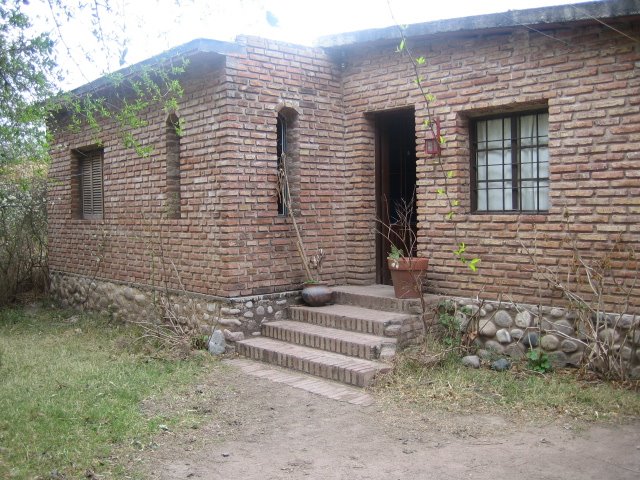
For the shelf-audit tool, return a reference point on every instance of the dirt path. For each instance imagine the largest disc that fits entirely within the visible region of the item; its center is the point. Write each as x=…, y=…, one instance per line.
x=268, y=431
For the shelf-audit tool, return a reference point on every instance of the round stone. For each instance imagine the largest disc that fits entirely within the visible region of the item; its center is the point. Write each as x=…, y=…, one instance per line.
x=626, y=353
x=549, y=342
x=558, y=359
x=260, y=310
x=530, y=340
x=249, y=304
x=503, y=336
x=515, y=350
x=472, y=361
x=485, y=354
x=523, y=319
x=547, y=325
x=569, y=346
x=269, y=309
x=488, y=307
x=248, y=315
x=557, y=313
x=565, y=327
x=628, y=321
x=229, y=322
x=217, y=343
x=635, y=373
x=502, y=319
x=608, y=335
x=487, y=328
x=501, y=365
x=574, y=359
x=516, y=333
x=493, y=346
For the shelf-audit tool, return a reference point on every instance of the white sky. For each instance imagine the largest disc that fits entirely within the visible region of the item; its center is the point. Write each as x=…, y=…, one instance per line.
x=153, y=26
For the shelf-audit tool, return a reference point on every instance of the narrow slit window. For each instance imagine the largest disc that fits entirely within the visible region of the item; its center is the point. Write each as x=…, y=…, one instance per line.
x=172, y=138
x=283, y=193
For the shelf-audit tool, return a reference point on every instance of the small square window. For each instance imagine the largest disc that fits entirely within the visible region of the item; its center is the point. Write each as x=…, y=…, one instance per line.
x=510, y=163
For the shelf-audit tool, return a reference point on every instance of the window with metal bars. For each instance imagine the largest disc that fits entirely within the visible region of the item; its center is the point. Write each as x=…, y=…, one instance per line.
x=510, y=163
x=91, y=190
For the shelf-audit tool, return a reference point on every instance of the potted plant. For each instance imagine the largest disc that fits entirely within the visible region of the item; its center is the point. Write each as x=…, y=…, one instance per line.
x=407, y=273
x=314, y=292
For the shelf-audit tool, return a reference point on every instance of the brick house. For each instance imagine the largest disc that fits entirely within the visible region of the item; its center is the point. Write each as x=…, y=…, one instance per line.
x=540, y=109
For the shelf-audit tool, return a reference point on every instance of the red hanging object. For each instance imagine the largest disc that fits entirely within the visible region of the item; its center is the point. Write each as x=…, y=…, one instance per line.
x=432, y=142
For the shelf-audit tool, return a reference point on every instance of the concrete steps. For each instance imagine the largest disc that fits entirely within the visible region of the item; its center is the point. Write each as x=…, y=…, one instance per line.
x=349, y=341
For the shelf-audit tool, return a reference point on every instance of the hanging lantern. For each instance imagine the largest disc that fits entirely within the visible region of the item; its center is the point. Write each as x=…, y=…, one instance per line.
x=432, y=142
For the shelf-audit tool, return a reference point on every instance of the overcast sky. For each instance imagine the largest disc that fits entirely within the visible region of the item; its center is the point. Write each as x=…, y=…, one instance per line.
x=153, y=26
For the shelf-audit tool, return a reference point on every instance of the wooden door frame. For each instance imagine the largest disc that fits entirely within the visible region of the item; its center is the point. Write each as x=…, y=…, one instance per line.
x=382, y=184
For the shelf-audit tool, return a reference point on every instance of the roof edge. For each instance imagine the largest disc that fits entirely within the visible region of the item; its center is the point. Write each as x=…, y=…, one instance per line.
x=512, y=18
x=194, y=47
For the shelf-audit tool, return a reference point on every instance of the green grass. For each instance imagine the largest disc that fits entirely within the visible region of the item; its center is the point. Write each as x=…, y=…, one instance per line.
x=71, y=393
x=452, y=387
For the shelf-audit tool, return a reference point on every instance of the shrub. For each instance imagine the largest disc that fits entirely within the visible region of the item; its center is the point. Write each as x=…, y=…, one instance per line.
x=23, y=231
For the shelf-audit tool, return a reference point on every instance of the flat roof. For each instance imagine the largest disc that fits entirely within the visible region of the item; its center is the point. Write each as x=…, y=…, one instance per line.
x=580, y=12
x=190, y=49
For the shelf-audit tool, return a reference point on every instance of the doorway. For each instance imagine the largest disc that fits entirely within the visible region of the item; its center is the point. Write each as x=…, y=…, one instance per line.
x=395, y=178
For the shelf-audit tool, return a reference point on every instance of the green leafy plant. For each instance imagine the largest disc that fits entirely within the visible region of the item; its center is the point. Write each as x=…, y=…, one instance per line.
x=449, y=318
x=396, y=252
x=538, y=361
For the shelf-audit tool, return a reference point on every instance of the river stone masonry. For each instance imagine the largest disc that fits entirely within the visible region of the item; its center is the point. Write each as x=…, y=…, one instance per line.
x=236, y=317
x=510, y=329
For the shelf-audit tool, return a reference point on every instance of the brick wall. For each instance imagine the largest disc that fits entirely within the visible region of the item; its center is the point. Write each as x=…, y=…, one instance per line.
x=588, y=78
x=229, y=239
x=273, y=76
x=126, y=244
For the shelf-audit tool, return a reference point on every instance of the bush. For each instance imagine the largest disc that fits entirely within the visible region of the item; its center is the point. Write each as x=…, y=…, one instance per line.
x=23, y=231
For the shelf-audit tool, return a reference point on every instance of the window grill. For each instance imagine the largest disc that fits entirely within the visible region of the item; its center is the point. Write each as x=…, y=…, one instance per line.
x=510, y=163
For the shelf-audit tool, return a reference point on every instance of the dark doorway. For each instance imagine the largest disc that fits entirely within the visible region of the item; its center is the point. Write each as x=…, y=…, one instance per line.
x=395, y=176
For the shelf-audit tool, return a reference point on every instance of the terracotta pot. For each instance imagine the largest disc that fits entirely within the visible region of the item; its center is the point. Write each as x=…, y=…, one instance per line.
x=407, y=274
x=316, y=294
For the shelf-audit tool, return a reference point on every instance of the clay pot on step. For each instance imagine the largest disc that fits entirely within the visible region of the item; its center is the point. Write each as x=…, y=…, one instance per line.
x=316, y=294
x=408, y=275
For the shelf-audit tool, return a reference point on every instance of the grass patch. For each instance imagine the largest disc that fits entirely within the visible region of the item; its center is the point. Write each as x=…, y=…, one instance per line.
x=72, y=392
x=452, y=387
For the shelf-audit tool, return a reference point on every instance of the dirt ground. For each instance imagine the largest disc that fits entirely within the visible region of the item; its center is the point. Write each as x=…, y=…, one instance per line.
x=268, y=431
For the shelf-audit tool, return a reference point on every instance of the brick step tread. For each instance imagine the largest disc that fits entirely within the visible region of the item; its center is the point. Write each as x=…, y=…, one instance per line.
x=379, y=297
x=350, y=370
x=348, y=317
x=355, y=344
x=316, y=385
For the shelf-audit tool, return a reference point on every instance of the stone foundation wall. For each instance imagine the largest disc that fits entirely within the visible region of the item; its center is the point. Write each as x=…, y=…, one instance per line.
x=236, y=317
x=511, y=329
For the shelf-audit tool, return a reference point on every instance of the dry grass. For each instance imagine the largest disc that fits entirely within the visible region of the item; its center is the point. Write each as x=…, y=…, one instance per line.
x=563, y=394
